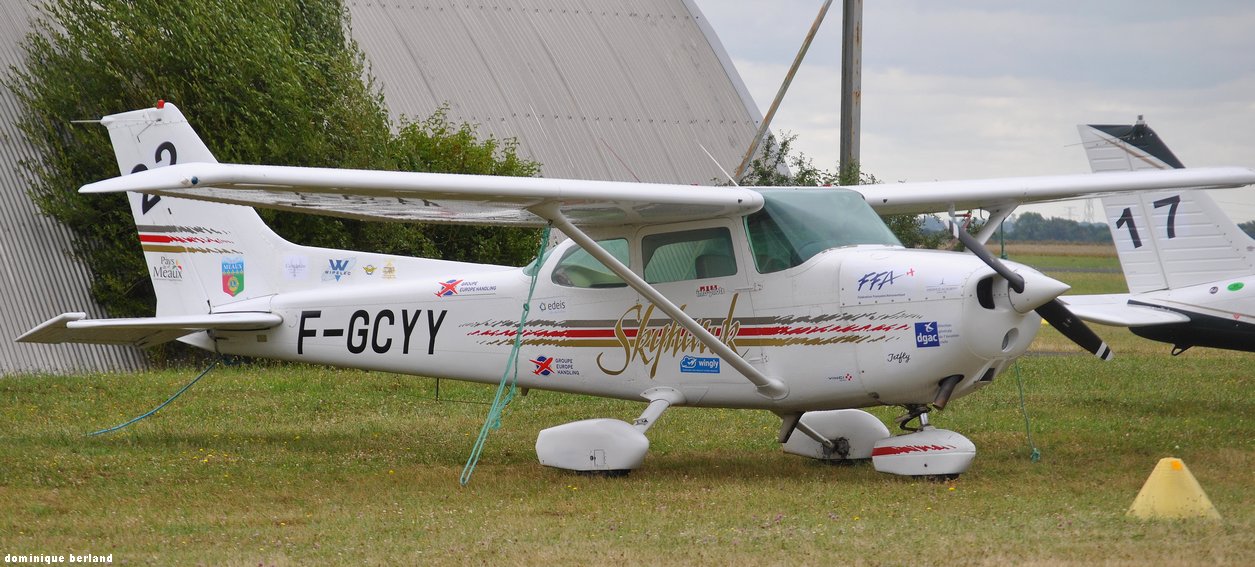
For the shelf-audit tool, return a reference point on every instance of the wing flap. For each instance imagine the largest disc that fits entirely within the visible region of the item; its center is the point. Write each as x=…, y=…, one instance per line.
x=141, y=331
x=1115, y=310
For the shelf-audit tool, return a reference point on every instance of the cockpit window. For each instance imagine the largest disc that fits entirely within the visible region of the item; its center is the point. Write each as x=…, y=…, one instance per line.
x=688, y=255
x=580, y=269
x=796, y=224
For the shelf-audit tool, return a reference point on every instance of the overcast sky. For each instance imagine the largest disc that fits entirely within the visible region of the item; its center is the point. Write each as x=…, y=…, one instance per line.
x=972, y=89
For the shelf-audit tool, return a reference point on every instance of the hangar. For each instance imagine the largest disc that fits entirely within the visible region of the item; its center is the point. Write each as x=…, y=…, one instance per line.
x=607, y=89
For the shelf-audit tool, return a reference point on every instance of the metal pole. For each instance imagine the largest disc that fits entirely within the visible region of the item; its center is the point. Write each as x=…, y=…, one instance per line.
x=851, y=89
x=784, y=87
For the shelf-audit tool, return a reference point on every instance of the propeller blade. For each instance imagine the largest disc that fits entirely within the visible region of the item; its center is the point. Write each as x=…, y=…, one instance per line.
x=1059, y=317
x=1053, y=311
x=1013, y=279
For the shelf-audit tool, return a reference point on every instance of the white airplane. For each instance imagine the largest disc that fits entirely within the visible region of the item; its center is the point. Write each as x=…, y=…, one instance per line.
x=798, y=301
x=1189, y=268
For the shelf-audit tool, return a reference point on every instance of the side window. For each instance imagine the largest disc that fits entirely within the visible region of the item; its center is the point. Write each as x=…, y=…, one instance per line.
x=688, y=255
x=771, y=248
x=580, y=269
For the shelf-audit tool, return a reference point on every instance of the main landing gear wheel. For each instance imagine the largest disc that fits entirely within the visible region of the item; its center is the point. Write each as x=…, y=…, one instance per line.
x=836, y=436
x=939, y=454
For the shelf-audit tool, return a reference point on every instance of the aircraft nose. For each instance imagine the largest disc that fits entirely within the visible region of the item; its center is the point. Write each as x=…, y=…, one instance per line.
x=1039, y=289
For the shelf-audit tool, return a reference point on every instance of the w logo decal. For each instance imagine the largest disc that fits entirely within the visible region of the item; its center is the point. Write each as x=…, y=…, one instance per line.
x=338, y=268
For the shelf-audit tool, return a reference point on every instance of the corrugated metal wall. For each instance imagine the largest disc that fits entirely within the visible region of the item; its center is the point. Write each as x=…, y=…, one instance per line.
x=39, y=278
x=593, y=89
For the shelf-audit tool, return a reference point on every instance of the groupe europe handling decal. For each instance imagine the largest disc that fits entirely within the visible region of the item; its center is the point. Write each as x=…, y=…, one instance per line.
x=642, y=336
x=452, y=287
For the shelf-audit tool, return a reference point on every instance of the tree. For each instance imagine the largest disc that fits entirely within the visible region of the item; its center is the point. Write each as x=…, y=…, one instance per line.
x=778, y=165
x=1032, y=226
x=264, y=81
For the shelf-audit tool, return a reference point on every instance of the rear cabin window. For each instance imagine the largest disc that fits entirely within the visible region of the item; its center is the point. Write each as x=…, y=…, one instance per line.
x=688, y=255
x=580, y=269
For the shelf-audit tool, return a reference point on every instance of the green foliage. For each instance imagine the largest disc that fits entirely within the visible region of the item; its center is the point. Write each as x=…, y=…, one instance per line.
x=263, y=81
x=1034, y=227
x=437, y=145
x=778, y=165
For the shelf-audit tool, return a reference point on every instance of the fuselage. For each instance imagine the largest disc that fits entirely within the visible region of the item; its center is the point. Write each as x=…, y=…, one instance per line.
x=1222, y=315
x=850, y=327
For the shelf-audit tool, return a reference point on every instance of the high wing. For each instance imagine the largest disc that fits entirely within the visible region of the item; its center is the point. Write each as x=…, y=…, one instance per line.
x=478, y=199
x=435, y=197
x=1009, y=192
x=1114, y=309
x=142, y=331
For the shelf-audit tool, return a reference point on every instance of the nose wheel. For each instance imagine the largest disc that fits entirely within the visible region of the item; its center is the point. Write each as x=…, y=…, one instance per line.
x=913, y=412
x=926, y=451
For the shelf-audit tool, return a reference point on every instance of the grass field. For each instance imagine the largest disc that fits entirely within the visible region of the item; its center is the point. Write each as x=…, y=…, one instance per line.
x=293, y=465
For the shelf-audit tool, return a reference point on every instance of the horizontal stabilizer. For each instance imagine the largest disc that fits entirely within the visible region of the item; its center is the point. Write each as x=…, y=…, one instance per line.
x=142, y=331
x=1115, y=310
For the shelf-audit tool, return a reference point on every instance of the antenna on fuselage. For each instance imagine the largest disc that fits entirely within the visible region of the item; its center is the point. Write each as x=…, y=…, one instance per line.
x=712, y=158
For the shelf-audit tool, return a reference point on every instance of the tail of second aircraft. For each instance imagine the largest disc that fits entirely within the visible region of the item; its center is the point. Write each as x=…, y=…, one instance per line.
x=1165, y=239
x=199, y=254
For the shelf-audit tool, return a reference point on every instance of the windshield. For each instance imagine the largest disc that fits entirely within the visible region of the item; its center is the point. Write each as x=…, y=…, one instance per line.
x=796, y=224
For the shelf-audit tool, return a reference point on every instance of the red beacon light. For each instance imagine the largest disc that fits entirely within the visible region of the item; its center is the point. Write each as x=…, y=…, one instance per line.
x=161, y=104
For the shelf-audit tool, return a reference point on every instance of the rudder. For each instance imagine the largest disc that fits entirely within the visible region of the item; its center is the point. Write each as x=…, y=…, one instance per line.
x=1166, y=239
x=199, y=254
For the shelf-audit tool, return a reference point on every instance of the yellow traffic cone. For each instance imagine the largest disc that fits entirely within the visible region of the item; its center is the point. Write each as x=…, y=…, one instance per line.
x=1171, y=492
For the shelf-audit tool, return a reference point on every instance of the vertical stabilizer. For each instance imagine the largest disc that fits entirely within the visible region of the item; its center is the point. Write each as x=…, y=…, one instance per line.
x=1166, y=239
x=199, y=254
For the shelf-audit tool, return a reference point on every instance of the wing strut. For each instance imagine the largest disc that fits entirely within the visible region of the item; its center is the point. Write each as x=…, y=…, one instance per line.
x=767, y=386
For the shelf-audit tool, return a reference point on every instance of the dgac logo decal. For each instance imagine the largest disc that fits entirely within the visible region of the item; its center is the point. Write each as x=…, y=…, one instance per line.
x=168, y=269
x=338, y=269
x=926, y=335
x=448, y=288
x=699, y=365
x=232, y=275
x=369, y=269
x=650, y=344
x=875, y=281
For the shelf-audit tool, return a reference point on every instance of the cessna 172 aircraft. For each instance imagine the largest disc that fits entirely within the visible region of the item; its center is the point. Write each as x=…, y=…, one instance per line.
x=1187, y=265
x=796, y=301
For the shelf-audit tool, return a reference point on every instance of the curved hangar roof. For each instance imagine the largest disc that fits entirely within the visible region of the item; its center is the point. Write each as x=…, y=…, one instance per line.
x=593, y=89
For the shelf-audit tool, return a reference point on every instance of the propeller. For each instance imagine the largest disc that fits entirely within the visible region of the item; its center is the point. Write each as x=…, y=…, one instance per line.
x=1041, y=296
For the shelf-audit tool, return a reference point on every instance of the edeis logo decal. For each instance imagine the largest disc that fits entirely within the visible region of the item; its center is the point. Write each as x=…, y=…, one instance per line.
x=232, y=275
x=927, y=335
